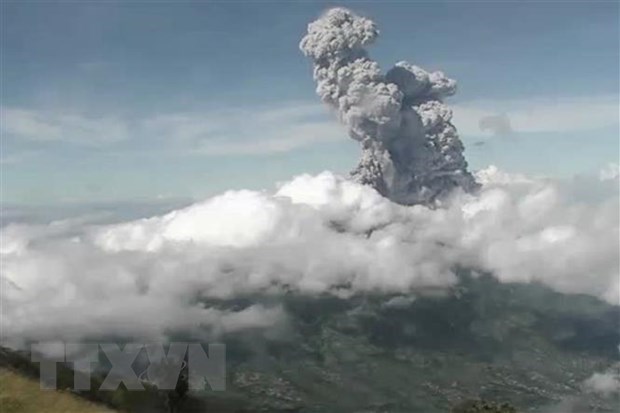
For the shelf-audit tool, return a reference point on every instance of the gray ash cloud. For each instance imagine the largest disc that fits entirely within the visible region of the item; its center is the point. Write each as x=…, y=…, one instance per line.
x=411, y=152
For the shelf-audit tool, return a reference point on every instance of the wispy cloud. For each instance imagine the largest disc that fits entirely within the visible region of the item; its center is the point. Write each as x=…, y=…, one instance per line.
x=536, y=115
x=244, y=131
x=285, y=127
x=17, y=157
x=50, y=126
x=220, y=132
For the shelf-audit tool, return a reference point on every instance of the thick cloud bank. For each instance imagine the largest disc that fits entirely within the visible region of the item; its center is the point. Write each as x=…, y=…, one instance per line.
x=411, y=151
x=316, y=234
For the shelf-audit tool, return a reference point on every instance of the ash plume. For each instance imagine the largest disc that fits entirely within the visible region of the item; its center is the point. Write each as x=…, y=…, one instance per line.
x=411, y=152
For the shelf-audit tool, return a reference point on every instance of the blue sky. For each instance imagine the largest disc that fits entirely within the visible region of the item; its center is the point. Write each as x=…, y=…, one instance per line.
x=121, y=101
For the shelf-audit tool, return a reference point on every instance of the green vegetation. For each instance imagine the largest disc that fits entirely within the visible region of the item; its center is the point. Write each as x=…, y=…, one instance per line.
x=21, y=394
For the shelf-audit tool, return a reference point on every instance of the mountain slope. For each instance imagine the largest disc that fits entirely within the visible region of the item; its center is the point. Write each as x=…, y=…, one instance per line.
x=520, y=343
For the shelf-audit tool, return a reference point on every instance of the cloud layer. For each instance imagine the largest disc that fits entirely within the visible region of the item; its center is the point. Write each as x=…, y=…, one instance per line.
x=316, y=234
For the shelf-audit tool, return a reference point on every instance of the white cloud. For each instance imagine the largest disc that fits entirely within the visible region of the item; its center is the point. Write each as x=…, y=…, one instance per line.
x=315, y=234
x=610, y=173
x=222, y=132
x=604, y=383
x=536, y=115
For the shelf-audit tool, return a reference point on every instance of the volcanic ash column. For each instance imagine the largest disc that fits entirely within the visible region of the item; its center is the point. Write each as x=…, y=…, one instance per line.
x=412, y=154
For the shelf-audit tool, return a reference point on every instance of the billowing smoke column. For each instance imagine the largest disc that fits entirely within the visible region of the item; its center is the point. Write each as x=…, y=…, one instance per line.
x=411, y=152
